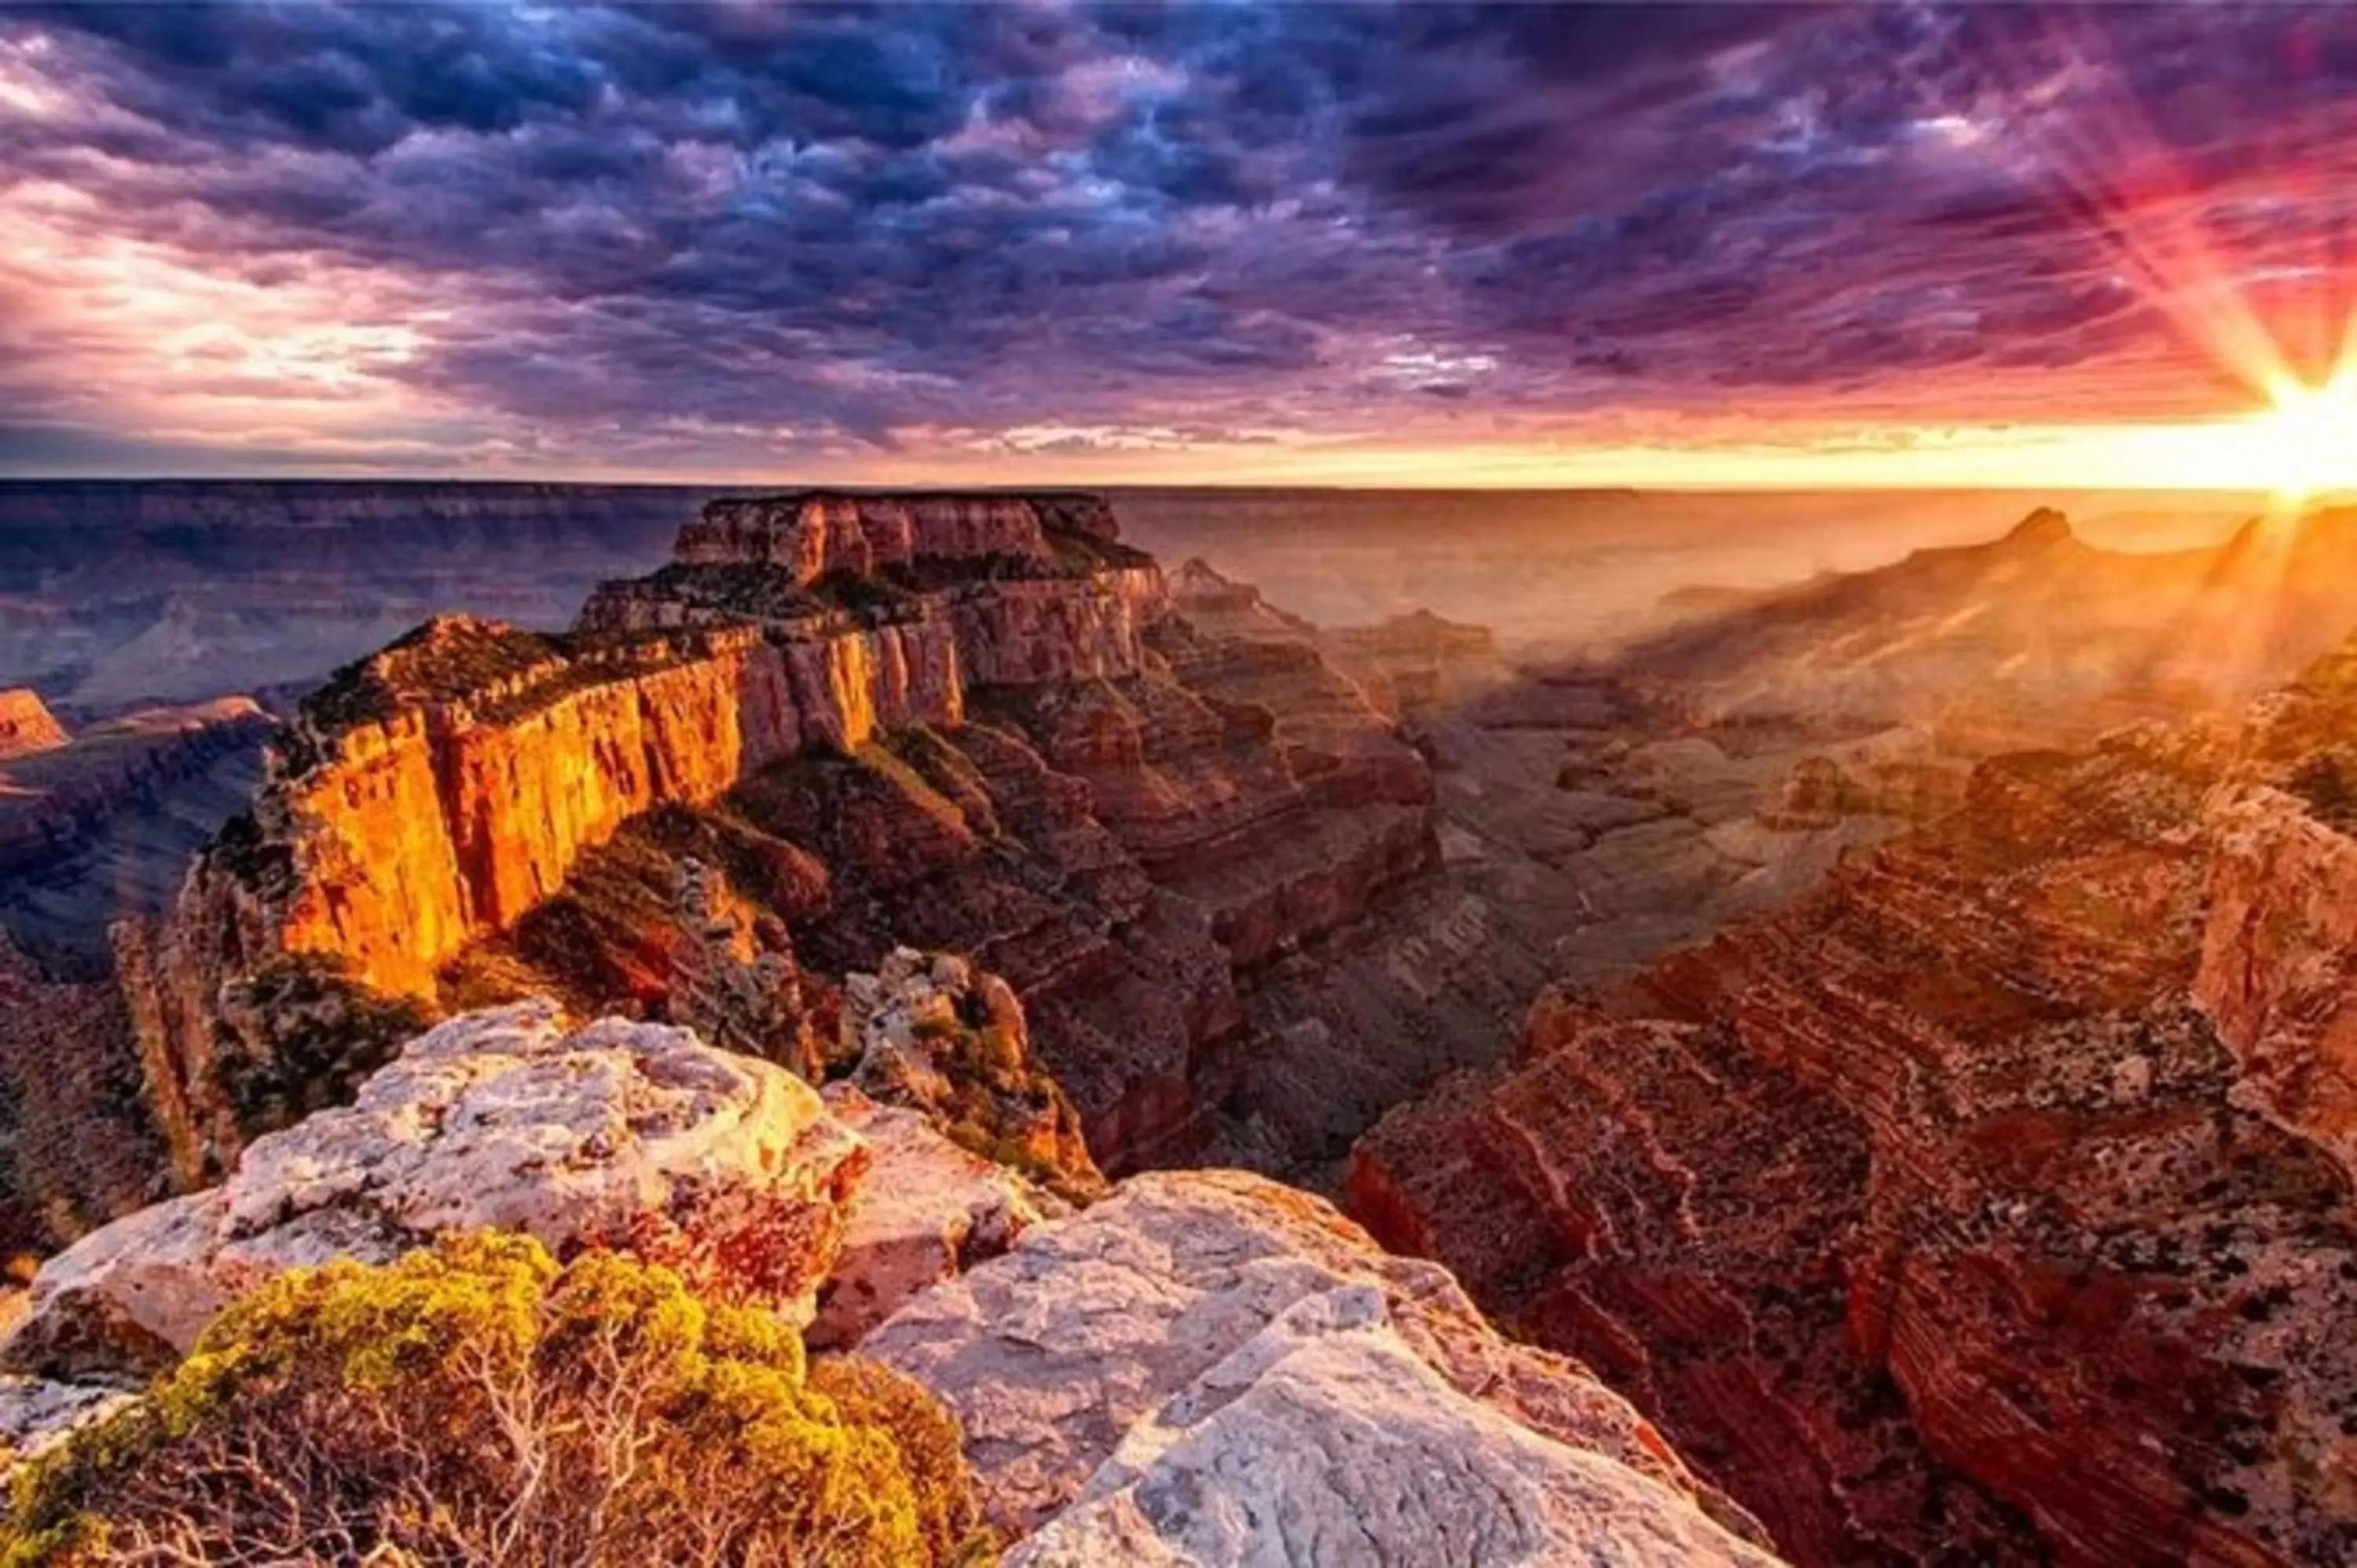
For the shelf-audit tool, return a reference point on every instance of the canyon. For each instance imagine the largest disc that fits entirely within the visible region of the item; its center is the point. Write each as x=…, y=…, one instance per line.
x=121, y=593
x=1994, y=1200
x=100, y=822
x=117, y=593
x=1890, y=1027
x=978, y=726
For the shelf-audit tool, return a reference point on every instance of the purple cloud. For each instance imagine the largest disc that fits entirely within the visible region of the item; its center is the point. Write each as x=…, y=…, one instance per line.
x=686, y=233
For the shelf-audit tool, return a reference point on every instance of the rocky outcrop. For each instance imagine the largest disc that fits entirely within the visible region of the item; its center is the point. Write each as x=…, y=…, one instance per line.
x=1367, y=1455
x=490, y=759
x=26, y=724
x=37, y=1415
x=1992, y=1201
x=971, y=725
x=818, y=531
x=1266, y=1386
x=2278, y=972
x=623, y=1133
x=930, y=1032
x=733, y=977
x=1028, y=588
x=434, y=792
x=432, y=796
x=1261, y=1383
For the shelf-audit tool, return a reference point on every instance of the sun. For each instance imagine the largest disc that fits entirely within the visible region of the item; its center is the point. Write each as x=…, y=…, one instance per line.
x=2303, y=446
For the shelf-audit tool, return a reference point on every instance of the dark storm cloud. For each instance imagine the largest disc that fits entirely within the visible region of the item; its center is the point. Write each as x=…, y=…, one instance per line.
x=823, y=224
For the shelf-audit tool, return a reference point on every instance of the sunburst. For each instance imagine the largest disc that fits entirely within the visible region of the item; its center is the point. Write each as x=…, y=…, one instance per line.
x=2304, y=445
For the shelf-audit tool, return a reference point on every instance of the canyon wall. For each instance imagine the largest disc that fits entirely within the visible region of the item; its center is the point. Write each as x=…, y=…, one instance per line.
x=104, y=825
x=1140, y=855
x=451, y=816
x=969, y=724
x=1991, y=1204
x=440, y=789
x=819, y=531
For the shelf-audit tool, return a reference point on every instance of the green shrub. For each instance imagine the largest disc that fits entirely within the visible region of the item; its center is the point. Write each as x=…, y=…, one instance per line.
x=475, y=1403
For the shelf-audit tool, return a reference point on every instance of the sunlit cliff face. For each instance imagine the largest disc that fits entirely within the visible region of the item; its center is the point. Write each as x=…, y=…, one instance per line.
x=1654, y=244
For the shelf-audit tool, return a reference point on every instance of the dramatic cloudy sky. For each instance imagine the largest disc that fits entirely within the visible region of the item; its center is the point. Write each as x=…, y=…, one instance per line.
x=1702, y=242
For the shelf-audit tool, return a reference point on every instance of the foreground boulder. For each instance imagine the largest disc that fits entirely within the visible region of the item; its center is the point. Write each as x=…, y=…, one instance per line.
x=631, y=1134
x=1210, y=1367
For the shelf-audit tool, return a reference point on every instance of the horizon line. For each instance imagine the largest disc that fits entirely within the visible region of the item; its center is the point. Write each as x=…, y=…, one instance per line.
x=2024, y=488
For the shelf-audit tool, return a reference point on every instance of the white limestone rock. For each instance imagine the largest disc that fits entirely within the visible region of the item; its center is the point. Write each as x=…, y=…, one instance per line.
x=926, y=1211
x=633, y=1133
x=1325, y=1440
x=37, y=1415
x=1104, y=1345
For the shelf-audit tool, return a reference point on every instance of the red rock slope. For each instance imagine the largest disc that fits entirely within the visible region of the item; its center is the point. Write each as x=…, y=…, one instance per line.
x=1992, y=1204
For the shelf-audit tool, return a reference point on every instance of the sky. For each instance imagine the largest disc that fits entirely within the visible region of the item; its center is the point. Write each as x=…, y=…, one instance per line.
x=1666, y=244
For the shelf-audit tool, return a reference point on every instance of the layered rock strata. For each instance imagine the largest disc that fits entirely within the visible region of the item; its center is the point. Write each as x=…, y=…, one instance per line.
x=1994, y=1201
x=77, y=1145
x=104, y=824
x=1587, y=821
x=819, y=531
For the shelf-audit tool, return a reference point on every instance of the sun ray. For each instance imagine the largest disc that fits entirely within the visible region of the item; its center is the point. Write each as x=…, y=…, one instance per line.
x=2108, y=166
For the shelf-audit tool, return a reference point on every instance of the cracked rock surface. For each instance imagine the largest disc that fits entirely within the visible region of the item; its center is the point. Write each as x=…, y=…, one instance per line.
x=1210, y=1367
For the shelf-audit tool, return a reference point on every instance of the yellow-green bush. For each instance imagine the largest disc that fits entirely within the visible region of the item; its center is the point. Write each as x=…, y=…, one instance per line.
x=477, y=1404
